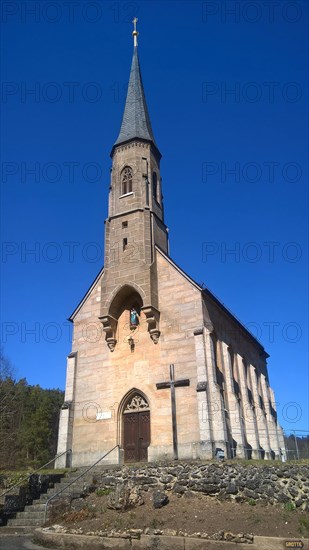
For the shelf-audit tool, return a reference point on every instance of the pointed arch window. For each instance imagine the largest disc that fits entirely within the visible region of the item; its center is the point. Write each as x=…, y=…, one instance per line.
x=260, y=393
x=217, y=359
x=248, y=380
x=126, y=180
x=234, y=371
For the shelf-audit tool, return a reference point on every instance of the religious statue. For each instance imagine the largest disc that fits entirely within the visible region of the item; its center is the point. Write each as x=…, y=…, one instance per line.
x=133, y=318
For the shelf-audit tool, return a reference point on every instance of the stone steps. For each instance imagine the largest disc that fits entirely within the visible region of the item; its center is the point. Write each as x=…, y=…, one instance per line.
x=67, y=492
x=17, y=529
x=34, y=514
x=37, y=504
x=30, y=514
x=19, y=522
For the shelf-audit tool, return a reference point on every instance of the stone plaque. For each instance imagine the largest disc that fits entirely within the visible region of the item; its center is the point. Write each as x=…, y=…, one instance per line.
x=104, y=415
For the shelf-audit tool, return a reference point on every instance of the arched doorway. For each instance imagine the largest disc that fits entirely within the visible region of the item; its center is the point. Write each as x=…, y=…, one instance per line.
x=136, y=428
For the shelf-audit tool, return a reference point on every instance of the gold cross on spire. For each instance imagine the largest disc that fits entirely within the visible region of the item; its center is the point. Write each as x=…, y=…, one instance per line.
x=135, y=32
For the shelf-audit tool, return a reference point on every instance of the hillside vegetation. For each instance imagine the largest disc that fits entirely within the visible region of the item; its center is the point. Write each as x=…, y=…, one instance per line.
x=29, y=418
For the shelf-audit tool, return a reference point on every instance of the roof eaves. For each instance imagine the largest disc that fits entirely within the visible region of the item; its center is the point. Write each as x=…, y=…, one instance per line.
x=214, y=298
x=76, y=310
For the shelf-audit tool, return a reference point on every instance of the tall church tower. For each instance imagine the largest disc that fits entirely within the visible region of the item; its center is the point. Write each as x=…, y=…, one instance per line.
x=159, y=368
x=135, y=223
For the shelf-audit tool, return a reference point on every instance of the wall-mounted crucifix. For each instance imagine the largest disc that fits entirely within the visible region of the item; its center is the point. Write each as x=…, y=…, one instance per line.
x=173, y=384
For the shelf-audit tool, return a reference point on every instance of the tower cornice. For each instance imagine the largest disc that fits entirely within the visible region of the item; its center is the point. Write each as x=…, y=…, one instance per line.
x=132, y=142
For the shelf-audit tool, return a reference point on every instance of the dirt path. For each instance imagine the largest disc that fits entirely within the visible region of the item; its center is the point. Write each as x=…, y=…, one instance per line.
x=20, y=542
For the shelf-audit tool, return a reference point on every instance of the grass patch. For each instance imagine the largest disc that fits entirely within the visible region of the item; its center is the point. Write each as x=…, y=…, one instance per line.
x=8, y=478
x=265, y=462
x=252, y=502
x=304, y=526
x=243, y=461
x=25, y=471
x=289, y=506
x=103, y=492
x=155, y=523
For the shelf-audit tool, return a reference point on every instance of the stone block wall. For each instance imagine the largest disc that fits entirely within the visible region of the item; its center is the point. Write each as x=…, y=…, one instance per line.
x=277, y=484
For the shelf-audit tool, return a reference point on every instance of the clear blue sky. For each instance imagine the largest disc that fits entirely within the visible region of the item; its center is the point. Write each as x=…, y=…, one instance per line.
x=193, y=55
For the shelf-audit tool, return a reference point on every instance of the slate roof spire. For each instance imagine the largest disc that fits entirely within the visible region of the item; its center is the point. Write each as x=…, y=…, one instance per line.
x=136, y=121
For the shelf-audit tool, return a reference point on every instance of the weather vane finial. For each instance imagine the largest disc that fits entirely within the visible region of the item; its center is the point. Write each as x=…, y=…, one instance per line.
x=135, y=32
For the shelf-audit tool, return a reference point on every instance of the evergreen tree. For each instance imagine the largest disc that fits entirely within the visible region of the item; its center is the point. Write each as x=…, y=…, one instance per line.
x=29, y=418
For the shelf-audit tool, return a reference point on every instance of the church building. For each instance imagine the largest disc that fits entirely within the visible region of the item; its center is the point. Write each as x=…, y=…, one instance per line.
x=159, y=368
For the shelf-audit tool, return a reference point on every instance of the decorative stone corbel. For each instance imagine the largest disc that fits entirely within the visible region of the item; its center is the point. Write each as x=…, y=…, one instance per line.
x=152, y=315
x=110, y=327
x=201, y=386
x=209, y=326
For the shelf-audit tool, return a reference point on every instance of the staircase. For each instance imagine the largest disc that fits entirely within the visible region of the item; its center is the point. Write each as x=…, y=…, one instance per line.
x=34, y=514
x=73, y=484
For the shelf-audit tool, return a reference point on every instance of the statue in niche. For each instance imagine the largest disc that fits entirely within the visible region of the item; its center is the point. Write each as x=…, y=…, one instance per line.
x=133, y=318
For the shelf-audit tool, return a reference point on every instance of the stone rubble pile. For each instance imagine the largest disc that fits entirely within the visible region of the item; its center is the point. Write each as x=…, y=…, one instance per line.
x=136, y=533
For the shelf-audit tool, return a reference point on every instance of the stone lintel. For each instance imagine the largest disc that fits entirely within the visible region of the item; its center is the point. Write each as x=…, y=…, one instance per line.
x=124, y=213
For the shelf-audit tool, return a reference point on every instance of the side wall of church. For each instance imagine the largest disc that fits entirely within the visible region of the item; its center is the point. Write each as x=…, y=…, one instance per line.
x=241, y=375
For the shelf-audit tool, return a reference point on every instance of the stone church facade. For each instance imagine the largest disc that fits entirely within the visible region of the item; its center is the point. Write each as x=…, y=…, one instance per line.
x=143, y=314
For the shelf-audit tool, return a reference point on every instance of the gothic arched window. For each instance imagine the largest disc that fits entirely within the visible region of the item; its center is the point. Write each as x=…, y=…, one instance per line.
x=155, y=185
x=248, y=380
x=234, y=371
x=126, y=180
x=216, y=351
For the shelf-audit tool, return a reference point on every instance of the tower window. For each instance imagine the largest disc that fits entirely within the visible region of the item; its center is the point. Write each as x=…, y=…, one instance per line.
x=124, y=224
x=126, y=180
x=155, y=185
x=124, y=244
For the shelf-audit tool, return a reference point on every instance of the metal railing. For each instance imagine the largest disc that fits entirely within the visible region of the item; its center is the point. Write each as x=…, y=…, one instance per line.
x=28, y=475
x=294, y=446
x=297, y=444
x=76, y=479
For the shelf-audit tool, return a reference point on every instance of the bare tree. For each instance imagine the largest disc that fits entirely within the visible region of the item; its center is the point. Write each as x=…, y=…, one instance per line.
x=7, y=370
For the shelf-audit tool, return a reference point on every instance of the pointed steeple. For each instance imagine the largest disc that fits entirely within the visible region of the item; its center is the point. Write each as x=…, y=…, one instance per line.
x=136, y=121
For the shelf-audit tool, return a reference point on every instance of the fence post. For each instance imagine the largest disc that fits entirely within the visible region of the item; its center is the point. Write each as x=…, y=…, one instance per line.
x=296, y=446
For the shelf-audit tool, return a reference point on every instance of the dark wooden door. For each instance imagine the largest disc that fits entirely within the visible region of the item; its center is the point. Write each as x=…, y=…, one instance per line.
x=136, y=437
